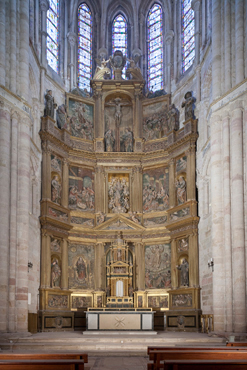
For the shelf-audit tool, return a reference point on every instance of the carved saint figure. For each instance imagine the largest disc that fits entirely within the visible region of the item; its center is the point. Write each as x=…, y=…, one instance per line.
x=184, y=276
x=133, y=69
x=131, y=291
x=56, y=190
x=181, y=190
x=109, y=141
x=101, y=69
x=183, y=245
x=101, y=218
x=118, y=61
x=118, y=195
x=173, y=118
x=50, y=106
x=108, y=291
x=62, y=116
x=127, y=140
x=55, y=273
x=188, y=104
x=134, y=217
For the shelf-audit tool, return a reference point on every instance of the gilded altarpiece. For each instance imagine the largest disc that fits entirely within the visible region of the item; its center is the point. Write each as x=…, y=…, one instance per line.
x=121, y=171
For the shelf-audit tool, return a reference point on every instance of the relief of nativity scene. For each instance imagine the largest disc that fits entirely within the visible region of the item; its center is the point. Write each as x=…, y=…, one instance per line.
x=119, y=211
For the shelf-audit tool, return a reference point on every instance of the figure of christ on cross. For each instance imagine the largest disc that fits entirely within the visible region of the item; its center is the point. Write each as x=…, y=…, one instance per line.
x=118, y=103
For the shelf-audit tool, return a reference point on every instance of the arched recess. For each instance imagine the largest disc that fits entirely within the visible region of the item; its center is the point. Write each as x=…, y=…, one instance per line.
x=126, y=10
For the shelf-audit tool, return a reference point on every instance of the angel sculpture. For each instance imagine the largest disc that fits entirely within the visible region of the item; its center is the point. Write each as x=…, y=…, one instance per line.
x=101, y=69
x=133, y=69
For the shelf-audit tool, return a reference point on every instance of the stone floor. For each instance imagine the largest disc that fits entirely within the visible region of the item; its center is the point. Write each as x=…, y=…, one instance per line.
x=118, y=351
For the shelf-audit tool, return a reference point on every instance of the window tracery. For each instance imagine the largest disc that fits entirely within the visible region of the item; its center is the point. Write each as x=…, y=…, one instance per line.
x=52, y=34
x=119, y=36
x=84, y=46
x=155, y=48
x=188, y=35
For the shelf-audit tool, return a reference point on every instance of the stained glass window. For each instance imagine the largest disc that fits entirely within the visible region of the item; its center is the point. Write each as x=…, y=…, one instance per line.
x=84, y=47
x=188, y=34
x=155, y=48
x=52, y=34
x=119, y=36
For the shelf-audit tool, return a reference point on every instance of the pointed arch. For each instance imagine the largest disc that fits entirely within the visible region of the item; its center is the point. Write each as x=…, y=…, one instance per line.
x=155, y=48
x=84, y=46
x=120, y=36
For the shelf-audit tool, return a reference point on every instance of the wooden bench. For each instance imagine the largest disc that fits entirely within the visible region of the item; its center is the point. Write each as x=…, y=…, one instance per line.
x=191, y=354
x=44, y=356
x=236, y=344
x=44, y=364
x=206, y=365
x=154, y=348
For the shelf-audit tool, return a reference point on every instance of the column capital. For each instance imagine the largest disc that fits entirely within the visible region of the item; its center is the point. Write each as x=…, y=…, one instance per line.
x=72, y=38
x=195, y=4
x=44, y=5
x=169, y=37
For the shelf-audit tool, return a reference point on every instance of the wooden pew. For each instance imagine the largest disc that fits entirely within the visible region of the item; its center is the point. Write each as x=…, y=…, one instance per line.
x=190, y=354
x=236, y=344
x=44, y=364
x=44, y=356
x=153, y=348
x=205, y=365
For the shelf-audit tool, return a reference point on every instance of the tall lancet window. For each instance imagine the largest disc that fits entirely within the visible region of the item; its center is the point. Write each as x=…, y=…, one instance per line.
x=52, y=34
x=188, y=34
x=155, y=48
x=119, y=36
x=84, y=47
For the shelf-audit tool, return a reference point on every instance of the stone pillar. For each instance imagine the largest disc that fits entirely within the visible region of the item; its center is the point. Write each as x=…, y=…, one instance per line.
x=174, y=273
x=45, y=279
x=138, y=114
x=2, y=42
x=99, y=116
x=99, y=189
x=24, y=48
x=195, y=4
x=72, y=41
x=227, y=45
x=191, y=173
x=198, y=84
x=99, y=282
x=227, y=222
x=13, y=222
x=4, y=211
x=168, y=38
x=193, y=260
x=239, y=40
x=46, y=174
x=204, y=22
x=64, y=267
x=140, y=265
x=13, y=46
x=65, y=187
x=44, y=6
x=237, y=218
x=217, y=224
x=172, y=192
x=216, y=48
x=23, y=222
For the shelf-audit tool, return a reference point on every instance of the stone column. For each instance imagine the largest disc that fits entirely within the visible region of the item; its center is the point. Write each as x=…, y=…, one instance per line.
x=2, y=42
x=227, y=222
x=227, y=45
x=239, y=40
x=191, y=173
x=44, y=6
x=72, y=41
x=13, y=46
x=45, y=279
x=140, y=265
x=195, y=4
x=193, y=260
x=99, y=117
x=168, y=38
x=65, y=187
x=24, y=48
x=172, y=192
x=216, y=48
x=174, y=271
x=23, y=222
x=13, y=222
x=237, y=208
x=64, y=267
x=217, y=224
x=99, y=189
x=204, y=22
x=4, y=211
x=100, y=281
x=138, y=114
x=46, y=174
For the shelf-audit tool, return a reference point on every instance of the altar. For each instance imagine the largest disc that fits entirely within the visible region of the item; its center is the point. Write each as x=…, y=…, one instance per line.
x=108, y=319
